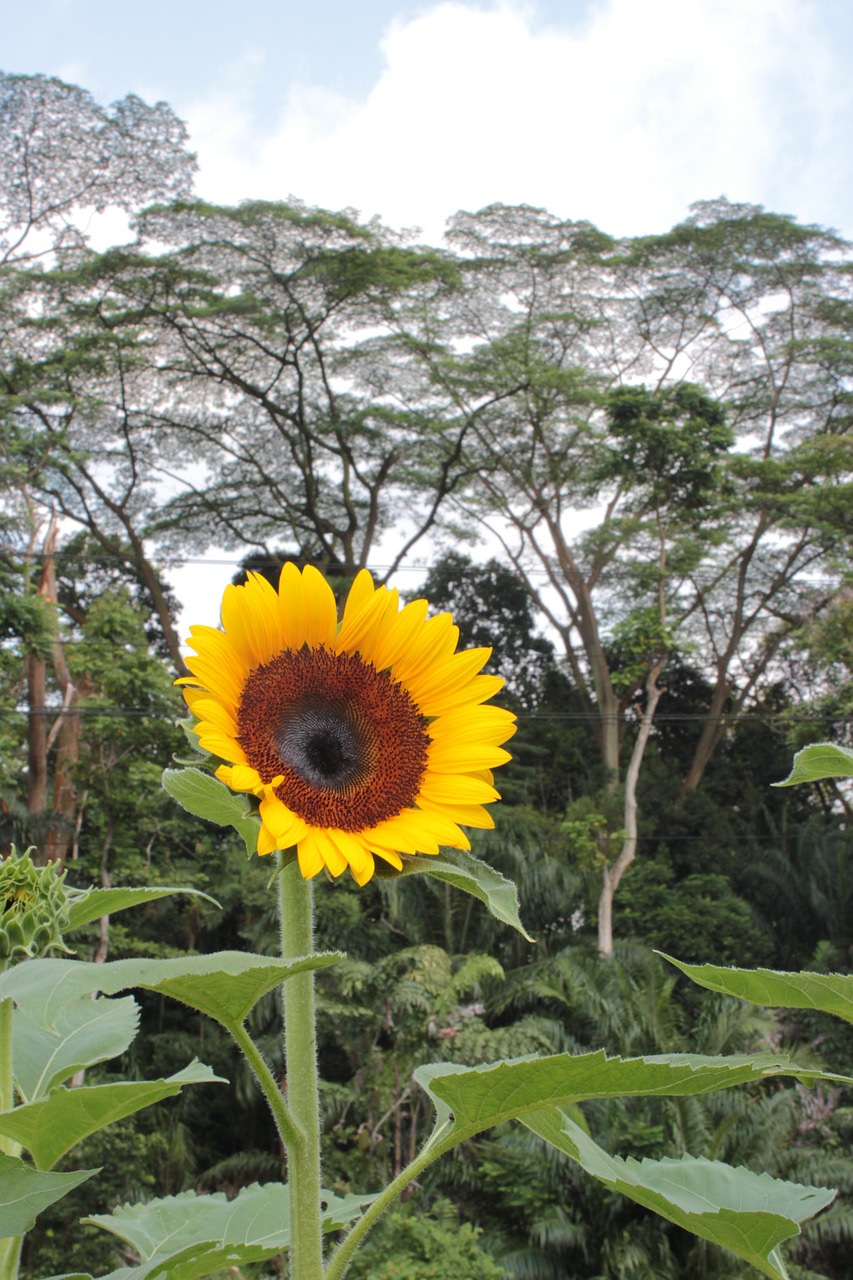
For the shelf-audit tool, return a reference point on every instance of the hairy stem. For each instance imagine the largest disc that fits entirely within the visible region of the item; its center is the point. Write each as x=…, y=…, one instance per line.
x=288, y=1131
x=10, y=1247
x=433, y=1149
x=303, y=1093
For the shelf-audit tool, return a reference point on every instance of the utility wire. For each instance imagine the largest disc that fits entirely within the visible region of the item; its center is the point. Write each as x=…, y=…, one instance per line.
x=568, y=717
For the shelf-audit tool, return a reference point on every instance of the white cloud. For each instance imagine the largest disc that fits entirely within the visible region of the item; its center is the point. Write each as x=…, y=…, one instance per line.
x=626, y=121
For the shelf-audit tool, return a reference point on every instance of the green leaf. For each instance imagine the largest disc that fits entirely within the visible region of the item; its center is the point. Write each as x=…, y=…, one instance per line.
x=25, y=1192
x=225, y=985
x=189, y=1236
x=94, y=903
x=749, y=1213
x=475, y=877
x=480, y=1097
x=55, y=1124
x=50, y=1043
x=820, y=760
x=206, y=797
x=827, y=992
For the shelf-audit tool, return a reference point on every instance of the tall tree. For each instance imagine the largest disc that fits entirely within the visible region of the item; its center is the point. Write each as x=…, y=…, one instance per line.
x=282, y=391
x=639, y=519
x=61, y=154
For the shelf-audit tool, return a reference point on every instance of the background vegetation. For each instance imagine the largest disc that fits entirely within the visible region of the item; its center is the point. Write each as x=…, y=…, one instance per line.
x=654, y=437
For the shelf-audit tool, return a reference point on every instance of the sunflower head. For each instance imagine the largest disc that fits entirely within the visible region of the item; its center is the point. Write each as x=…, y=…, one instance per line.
x=363, y=738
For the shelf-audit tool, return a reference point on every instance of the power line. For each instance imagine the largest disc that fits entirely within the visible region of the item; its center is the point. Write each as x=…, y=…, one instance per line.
x=525, y=717
x=237, y=561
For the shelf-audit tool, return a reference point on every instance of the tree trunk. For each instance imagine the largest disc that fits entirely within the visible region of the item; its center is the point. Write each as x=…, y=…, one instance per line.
x=62, y=828
x=712, y=732
x=612, y=875
x=36, y=739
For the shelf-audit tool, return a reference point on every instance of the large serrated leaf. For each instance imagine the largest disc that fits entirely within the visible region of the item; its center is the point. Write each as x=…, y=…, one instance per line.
x=55, y=1124
x=827, y=992
x=480, y=1097
x=206, y=797
x=25, y=1192
x=225, y=985
x=473, y=876
x=94, y=903
x=820, y=760
x=187, y=1236
x=749, y=1213
x=50, y=1044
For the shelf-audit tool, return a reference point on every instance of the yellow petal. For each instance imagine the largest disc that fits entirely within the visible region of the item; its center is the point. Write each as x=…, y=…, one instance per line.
x=250, y=619
x=401, y=634
x=456, y=789
x=360, y=592
x=222, y=681
x=445, y=677
x=321, y=610
x=362, y=874
x=389, y=856
x=333, y=859
x=474, y=724
x=219, y=744
x=309, y=855
x=464, y=757
x=266, y=842
x=291, y=608
x=469, y=815
x=436, y=643
x=354, y=850
x=469, y=695
x=287, y=827
x=366, y=628
x=443, y=829
x=240, y=777
x=214, y=713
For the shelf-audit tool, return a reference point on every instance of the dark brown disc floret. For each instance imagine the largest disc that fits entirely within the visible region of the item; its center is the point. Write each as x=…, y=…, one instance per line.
x=348, y=741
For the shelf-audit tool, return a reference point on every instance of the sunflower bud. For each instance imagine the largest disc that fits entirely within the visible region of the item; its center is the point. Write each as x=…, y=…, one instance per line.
x=33, y=907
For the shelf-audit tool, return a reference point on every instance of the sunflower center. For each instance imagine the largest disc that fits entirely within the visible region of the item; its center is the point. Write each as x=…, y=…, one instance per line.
x=347, y=741
x=322, y=745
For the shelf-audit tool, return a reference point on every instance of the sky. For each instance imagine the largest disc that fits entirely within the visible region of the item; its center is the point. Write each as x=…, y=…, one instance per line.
x=619, y=112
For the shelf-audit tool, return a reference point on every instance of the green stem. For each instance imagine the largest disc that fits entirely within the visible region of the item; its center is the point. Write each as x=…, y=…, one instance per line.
x=433, y=1149
x=303, y=1092
x=10, y=1246
x=7, y=1085
x=10, y=1257
x=288, y=1132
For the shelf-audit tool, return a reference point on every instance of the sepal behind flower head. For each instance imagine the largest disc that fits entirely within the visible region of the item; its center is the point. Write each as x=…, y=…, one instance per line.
x=34, y=904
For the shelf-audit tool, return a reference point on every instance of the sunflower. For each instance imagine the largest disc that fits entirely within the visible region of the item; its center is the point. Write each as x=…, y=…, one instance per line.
x=363, y=739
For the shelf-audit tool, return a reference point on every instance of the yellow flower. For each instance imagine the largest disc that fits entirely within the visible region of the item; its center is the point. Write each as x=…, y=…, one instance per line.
x=362, y=739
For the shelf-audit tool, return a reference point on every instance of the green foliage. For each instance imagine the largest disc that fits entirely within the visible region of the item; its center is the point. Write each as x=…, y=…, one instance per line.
x=409, y=1244
x=830, y=993
x=820, y=760
x=364, y=379
x=637, y=642
x=492, y=609
x=50, y=1127
x=205, y=796
x=699, y=915
x=225, y=986
x=51, y=1044
x=751, y=1214
x=187, y=1236
x=25, y=1192
x=473, y=876
x=669, y=444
